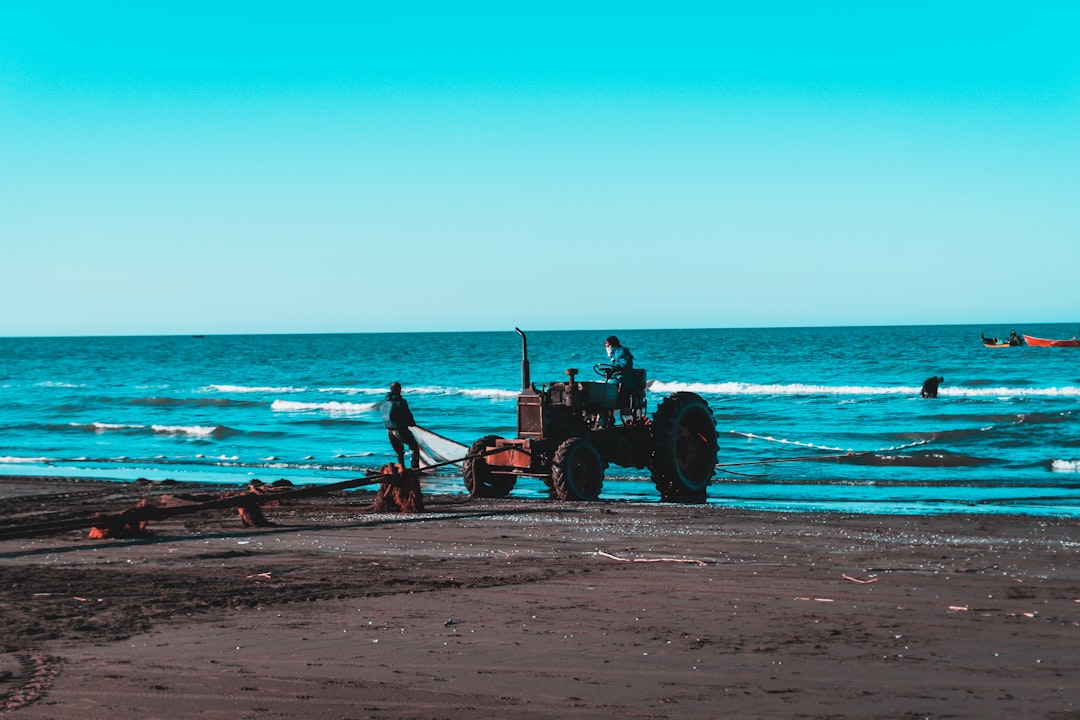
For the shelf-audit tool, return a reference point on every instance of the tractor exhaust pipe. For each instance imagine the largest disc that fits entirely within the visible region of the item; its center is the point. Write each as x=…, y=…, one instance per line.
x=525, y=382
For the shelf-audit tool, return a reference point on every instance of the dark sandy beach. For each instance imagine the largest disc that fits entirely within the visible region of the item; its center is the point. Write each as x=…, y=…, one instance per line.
x=531, y=609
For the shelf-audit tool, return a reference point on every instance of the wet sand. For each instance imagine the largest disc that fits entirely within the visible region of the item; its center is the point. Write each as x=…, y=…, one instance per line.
x=531, y=609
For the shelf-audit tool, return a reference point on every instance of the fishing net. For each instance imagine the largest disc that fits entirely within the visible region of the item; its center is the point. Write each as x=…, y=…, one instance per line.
x=436, y=449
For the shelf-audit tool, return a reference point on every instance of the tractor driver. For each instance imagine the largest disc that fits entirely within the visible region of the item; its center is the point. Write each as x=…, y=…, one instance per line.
x=622, y=360
x=621, y=371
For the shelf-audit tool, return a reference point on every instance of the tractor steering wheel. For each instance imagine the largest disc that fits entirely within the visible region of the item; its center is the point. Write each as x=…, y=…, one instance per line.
x=604, y=371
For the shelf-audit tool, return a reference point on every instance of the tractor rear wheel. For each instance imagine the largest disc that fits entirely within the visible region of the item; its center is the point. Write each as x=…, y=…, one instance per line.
x=684, y=448
x=480, y=480
x=577, y=472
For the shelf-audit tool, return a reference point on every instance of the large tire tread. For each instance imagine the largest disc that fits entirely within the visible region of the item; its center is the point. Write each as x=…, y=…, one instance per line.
x=577, y=472
x=480, y=481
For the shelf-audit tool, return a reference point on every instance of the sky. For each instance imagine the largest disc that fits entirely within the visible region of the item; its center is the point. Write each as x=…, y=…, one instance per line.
x=229, y=167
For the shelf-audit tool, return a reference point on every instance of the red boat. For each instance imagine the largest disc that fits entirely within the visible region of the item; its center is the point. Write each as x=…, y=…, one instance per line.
x=1039, y=342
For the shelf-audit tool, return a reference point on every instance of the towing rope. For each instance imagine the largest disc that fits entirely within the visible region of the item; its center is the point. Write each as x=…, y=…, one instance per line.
x=809, y=458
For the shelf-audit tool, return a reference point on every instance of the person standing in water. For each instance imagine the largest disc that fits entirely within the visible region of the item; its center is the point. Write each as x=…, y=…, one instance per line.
x=397, y=419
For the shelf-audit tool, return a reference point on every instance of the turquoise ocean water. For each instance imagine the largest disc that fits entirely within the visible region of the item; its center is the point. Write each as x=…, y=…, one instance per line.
x=790, y=404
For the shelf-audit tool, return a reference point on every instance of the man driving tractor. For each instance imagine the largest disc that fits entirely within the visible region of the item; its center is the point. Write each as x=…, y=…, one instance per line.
x=621, y=370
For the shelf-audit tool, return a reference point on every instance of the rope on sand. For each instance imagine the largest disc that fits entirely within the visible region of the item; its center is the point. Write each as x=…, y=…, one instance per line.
x=601, y=553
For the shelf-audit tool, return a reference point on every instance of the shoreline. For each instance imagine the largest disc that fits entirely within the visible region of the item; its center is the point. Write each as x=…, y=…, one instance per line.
x=481, y=609
x=1048, y=501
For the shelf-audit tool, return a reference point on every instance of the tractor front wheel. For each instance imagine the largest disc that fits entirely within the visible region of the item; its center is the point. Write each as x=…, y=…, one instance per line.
x=480, y=479
x=577, y=472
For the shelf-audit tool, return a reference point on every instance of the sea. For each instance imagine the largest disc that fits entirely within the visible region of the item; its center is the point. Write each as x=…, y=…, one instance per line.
x=826, y=419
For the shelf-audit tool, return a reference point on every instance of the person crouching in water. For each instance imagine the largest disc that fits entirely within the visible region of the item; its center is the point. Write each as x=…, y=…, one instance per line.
x=930, y=386
x=397, y=419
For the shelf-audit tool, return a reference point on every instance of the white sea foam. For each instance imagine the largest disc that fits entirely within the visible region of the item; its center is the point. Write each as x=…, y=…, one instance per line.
x=333, y=408
x=11, y=459
x=253, y=389
x=193, y=430
x=1012, y=392
x=493, y=393
x=104, y=427
x=1065, y=466
x=354, y=390
x=738, y=388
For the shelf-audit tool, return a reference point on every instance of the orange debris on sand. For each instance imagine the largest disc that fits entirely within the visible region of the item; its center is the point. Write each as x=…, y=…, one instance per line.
x=400, y=491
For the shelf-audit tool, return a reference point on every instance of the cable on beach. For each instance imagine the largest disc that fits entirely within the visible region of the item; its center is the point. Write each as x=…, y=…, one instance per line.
x=838, y=457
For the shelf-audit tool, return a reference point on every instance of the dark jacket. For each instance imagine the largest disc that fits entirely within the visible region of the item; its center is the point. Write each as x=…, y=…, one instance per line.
x=622, y=362
x=396, y=413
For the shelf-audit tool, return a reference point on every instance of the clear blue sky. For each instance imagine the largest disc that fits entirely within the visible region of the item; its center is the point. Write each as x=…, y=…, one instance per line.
x=190, y=167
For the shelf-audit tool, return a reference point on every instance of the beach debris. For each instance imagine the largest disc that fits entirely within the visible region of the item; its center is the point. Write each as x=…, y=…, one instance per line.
x=857, y=580
x=399, y=490
x=251, y=515
x=601, y=553
x=958, y=608
x=258, y=486
x=133, y=522
x=128, y=524
x=809, y=599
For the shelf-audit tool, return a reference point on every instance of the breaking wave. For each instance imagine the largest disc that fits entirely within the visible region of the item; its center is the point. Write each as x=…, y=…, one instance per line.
x=741, y=388
x=492, y=393
x=101, y=427
x=438, y=390
x=247, y=389
x=332, y=407
x=162, y=401
x=199, y=431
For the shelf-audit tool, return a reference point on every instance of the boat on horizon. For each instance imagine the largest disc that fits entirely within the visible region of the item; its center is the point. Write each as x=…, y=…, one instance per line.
x=1042, y=342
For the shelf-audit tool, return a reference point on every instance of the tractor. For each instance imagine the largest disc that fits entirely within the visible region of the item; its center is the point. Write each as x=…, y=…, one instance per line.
x=569, y=432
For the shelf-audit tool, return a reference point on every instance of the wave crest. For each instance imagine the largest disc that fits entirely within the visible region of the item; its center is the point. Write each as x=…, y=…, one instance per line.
x=332, y=407
x=742, y=388
x=199, y=431
x=252, y=389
